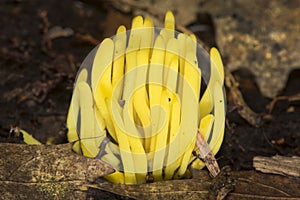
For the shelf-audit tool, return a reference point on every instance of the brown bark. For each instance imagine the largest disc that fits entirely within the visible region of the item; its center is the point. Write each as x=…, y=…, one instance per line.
x=278, y=165
x=55, y=172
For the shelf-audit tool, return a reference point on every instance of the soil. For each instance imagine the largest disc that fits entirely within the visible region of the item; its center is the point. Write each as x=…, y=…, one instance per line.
x=37, y=75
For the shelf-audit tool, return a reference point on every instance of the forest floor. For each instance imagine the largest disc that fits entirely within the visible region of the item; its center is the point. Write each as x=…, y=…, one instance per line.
x=38, y=69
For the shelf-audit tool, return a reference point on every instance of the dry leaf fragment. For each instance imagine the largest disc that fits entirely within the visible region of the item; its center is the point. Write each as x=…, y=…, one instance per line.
x=207, y=155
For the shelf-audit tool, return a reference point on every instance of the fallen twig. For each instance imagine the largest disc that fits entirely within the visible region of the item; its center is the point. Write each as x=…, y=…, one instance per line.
x=295, y=97
x=278, y=165
x=88, y=38
x=243, y=109
x=45, y=29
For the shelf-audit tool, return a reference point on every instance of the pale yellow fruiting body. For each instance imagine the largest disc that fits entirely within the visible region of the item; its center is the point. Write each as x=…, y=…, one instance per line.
x=142, y=90
x=28, y=139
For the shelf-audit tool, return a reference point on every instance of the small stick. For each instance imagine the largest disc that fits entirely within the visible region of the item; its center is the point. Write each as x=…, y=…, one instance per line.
x=295, y=97
x=286, y=166
x=45, y=29
x=243, y=109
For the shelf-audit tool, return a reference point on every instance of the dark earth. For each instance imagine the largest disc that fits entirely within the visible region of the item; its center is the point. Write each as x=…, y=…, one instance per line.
x=37, y=72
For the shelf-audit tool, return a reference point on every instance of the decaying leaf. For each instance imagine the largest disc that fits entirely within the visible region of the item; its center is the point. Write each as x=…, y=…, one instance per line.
x=207, y=155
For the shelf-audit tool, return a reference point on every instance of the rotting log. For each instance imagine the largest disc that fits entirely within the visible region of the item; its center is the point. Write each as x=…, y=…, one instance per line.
x=229, y=184
x=55, y=172
x=46, y=172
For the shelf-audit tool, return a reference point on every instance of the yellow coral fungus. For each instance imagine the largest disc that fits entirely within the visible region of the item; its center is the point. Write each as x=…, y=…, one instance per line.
x=137, y=106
